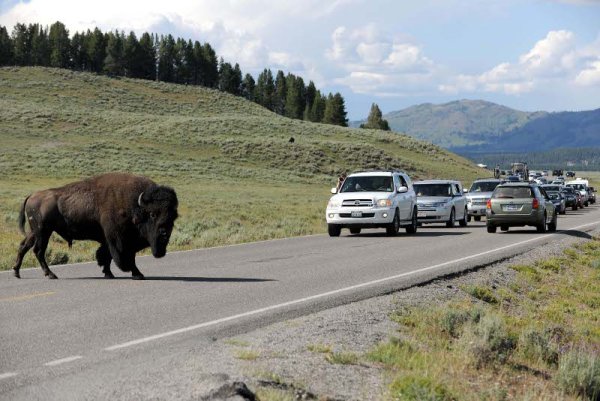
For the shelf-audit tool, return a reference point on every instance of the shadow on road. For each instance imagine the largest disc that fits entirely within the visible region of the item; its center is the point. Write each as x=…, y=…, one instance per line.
x=576, y=233
x=421, y=233
x=185, y=279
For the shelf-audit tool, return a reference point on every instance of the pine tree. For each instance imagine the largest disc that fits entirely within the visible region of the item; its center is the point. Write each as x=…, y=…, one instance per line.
x=265, y=89
x=96, y=50
x=22, y=45
x=317, y=111
x=79, y=56
x=248, y=86
x=6, y=47
x=60, y=45
x=166, y=59
x=147, y=57
x=311, y=92
x=375, y=119
x=210, y=68
x=280, y=94
x=40, y=45
x=335, y=110
x=294, y=101
x=114, y=61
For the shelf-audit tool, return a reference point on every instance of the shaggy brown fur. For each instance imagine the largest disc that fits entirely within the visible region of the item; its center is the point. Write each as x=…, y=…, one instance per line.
x=123, y=212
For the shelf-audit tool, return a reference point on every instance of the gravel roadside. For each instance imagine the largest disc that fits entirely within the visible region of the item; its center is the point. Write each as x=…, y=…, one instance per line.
x=293, y=354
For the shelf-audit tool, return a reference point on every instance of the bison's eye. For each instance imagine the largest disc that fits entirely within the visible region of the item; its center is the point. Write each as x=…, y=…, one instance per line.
x=153, y=215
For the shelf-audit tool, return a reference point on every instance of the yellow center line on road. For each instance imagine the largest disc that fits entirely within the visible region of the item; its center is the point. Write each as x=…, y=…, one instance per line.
x=26, y=297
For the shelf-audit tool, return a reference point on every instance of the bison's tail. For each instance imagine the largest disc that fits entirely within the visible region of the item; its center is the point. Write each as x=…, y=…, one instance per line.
x=22, y=216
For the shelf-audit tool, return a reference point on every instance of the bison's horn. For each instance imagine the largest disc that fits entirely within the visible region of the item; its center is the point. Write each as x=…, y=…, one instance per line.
x=140, y=199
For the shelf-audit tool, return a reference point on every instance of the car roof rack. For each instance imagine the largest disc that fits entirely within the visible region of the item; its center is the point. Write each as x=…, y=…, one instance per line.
x=379, y=171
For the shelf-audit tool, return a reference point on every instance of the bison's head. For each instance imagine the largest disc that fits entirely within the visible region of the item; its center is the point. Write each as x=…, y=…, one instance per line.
x=158, y=210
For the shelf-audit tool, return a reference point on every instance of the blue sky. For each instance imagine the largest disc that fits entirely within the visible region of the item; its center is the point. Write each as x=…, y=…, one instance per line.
x=525, y=54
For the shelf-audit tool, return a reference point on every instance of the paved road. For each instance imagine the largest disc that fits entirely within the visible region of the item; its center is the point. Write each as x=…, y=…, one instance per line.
x=63, y=339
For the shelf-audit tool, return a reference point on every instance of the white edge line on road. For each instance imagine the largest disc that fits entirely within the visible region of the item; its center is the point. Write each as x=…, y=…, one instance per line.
x=7, y=375
x=63, y=360
x=322, y=295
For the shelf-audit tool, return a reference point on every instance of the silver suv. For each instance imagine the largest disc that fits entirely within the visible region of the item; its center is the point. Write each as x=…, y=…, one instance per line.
x=478, y=195
x=441, y=201
x=373, y=199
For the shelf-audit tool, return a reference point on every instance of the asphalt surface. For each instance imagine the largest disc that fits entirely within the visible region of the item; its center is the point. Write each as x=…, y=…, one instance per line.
x=72, y=338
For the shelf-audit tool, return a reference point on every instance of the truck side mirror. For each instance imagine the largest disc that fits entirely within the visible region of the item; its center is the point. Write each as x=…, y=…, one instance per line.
x=402, y=189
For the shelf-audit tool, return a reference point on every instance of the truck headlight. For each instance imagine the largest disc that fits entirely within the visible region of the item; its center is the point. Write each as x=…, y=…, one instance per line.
x=384, y=203
x=333, y=204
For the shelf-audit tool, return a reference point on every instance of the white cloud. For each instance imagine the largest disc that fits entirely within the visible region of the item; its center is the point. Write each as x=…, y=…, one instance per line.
x=589, y=76
x=554, y=59
x=378, y=64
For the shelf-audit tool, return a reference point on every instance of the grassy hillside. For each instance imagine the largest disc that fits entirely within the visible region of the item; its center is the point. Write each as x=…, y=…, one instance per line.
x=237, y=176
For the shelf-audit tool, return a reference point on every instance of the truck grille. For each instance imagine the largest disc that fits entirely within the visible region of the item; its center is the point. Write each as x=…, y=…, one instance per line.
x=357, y=203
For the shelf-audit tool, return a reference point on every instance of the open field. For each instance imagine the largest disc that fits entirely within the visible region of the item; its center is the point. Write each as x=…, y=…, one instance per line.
x=237, y=177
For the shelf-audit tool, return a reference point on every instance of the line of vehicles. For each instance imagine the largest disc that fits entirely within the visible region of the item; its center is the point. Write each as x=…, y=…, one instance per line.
x=390, y=200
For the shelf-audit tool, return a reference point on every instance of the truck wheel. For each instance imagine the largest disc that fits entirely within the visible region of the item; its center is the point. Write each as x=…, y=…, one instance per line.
x=491, y=229
x=394, y=226
x=412, y=229
x=450, y=222
x=465, y=220
x=334, y=230
x=574, y=207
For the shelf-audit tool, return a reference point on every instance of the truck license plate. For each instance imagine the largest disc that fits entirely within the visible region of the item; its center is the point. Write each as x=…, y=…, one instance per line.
x=356, y=214
x=421, y=214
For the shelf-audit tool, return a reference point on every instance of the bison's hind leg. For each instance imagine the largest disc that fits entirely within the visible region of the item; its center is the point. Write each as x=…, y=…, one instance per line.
x=39, y=248
x=25, y=246
x=104, y=258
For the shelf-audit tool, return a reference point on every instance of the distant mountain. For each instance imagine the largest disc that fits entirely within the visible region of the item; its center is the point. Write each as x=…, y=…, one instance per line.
x=472, y=126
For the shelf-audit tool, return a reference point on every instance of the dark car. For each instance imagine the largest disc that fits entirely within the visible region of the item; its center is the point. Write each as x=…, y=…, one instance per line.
x=570, y=174
x=557, y=173
x=592, y=194
x=557, y=197
x=570, y=198
x=518, y=205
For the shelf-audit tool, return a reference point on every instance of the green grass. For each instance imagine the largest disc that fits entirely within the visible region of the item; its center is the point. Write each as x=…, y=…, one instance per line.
x=541, y=342
x=237, y=177
x=247, y=355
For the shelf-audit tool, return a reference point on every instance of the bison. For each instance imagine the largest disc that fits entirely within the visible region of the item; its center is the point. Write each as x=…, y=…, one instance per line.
x=125, y=213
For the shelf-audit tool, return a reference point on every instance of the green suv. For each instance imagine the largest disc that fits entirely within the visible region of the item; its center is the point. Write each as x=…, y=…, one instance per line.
x=518, y=205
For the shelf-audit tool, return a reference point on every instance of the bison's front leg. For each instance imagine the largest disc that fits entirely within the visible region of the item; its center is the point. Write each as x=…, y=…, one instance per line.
x=103, y=257
x=126, y=262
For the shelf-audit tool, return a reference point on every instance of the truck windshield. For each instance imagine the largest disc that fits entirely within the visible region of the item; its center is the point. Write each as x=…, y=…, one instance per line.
x=484, y=186
x=433, y=190
x=368, y=184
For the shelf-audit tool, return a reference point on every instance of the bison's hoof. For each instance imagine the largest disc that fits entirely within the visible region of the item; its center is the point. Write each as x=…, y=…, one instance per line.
x=17, y=274
x=109, y=275
x=138, y=277
x=52, y=276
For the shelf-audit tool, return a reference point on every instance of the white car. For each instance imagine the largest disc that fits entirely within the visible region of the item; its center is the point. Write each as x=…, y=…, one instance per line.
x=441, y=201
x=374, y=199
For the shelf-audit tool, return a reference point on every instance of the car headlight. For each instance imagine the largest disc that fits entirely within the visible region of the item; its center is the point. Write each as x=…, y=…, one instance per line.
x=442, y=204
x=384, y=203
x=333, y=204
